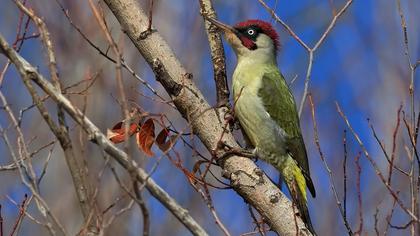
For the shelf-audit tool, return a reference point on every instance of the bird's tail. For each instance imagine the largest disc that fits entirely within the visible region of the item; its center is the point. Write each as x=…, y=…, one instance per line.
x=297, y=189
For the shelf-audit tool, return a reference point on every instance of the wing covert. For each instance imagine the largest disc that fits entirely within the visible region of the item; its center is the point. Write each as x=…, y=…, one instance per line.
x=280, y=105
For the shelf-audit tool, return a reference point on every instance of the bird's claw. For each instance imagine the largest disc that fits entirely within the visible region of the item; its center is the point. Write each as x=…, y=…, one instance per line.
x=229, y=151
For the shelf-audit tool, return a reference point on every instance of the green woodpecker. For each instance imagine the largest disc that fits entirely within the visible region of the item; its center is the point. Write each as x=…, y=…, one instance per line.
x=265, y=107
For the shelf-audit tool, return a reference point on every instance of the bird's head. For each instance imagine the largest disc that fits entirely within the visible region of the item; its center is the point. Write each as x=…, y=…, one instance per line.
x=254, y=39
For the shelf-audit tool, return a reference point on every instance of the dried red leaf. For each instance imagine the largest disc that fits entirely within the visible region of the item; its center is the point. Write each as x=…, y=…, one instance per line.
x=162, y=142
x=146, y=137
x=117, y=133
x=161, y=138
x=117, y=126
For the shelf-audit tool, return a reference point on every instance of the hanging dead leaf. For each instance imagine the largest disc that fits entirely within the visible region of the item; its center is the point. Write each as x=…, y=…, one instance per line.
x=117, y=133
x=146, y=137
x=162, y=142
x=161, y=138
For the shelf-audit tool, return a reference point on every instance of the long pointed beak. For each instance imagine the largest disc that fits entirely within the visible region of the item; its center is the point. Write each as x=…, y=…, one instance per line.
x=222, y=26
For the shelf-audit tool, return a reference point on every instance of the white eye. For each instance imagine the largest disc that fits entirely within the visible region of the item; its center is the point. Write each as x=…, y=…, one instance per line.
x=251, y=32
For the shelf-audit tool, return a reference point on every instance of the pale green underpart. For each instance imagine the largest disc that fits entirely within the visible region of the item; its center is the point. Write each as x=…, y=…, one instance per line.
x=268, y=115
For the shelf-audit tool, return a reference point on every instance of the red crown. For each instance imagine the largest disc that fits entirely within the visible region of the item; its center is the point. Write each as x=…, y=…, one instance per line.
x=266, y=28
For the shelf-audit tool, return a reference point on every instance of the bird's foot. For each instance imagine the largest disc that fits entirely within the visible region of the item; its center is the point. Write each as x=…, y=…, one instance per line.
x=230, y=119
x=229, y=151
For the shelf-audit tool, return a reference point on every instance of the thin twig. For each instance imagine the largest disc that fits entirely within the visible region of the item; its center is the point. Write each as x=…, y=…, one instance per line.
x=285, y=26
x=258, y=225
x=345, y=174
x=389, y=217
x=105, y=54
x=359, y=194
x=32, y=183
x=149, y=26
x=375, y=217
x=390, y=160
x=310, y=50
x=412, y=141
x=47, y=225
x=405, y=226
x=314, y=48
x=414, y=182
x=143, y=207
x=375, y=166
x=327, y=168
x=394, y=138
x=18, y=221
x=119, y=77
x=15, y=46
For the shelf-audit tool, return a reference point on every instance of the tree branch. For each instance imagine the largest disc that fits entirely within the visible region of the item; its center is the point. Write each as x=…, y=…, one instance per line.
x=217, y=53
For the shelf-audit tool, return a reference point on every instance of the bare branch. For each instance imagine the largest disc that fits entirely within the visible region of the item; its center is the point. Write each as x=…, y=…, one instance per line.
x=27, y=170
x=46, y=225
x=314, y=48
x=345, y=174
x=105, y=55
x=375, y=166
x=144, y=209
x=217, y=52
x=359, y=195
x=18, y=221
x=321, y=155
x=285, y=26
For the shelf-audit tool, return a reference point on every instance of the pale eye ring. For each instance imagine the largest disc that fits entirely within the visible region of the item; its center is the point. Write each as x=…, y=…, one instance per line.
x=251, y=32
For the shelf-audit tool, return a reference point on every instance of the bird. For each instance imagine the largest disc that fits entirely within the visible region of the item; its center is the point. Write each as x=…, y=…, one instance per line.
x=266, y=109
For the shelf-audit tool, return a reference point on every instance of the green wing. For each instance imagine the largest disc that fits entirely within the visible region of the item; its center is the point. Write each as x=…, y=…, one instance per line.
x=280, y=104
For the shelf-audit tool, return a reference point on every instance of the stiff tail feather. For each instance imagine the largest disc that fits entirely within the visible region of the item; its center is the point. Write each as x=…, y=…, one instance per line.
x=299, y=200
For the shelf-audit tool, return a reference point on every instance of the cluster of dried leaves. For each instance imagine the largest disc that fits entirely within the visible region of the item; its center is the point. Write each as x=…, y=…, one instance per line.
x=145, y=135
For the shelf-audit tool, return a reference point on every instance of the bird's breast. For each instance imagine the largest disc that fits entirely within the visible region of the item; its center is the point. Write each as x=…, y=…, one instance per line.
x=260, y=128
